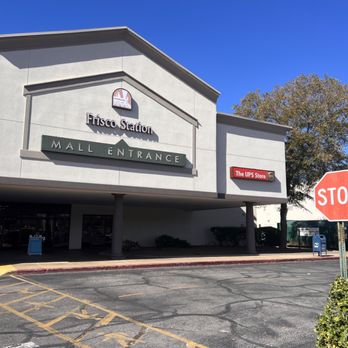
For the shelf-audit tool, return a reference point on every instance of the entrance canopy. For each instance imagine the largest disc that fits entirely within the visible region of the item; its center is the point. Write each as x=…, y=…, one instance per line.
x=31, y=190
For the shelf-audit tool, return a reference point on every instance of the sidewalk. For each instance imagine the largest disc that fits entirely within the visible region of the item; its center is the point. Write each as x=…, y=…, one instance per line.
x=68, y=266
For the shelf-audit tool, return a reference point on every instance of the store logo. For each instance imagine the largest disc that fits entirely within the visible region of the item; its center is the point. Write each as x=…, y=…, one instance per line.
x=121, y=98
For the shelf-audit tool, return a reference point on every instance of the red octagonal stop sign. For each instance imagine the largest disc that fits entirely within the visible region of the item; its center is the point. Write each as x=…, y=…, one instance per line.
x=331, y=195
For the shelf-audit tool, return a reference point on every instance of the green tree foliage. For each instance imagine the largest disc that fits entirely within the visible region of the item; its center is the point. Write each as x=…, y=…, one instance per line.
x=317, y=110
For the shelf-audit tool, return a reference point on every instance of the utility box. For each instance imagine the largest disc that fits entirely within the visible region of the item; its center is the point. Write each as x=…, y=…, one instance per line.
x=319, y=244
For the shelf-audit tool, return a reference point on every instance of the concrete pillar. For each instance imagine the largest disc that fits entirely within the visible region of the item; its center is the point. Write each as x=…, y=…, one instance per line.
x=75, y=234
x=250, y=228
x=117, y=228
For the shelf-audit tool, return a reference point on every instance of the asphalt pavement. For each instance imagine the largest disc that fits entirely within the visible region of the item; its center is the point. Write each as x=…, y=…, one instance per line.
x=254, y=305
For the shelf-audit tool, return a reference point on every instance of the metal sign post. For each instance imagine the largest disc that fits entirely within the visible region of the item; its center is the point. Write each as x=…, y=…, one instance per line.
x=342, y=249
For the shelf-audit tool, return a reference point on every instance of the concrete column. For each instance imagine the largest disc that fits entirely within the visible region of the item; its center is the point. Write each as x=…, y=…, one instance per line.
x=250, y=228
x=75, y=234
x=117, y=228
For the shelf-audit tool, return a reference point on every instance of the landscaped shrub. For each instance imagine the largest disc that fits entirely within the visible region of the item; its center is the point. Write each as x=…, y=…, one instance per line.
x=332, y=325
x=128, y=245
x=267, y=236
x=165, y=241
x=230, y=235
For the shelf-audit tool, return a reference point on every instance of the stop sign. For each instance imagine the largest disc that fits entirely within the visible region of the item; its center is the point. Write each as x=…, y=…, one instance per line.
x=331, y=195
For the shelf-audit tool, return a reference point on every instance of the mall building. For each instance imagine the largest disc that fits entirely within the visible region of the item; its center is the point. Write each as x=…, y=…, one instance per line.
x=103, y=136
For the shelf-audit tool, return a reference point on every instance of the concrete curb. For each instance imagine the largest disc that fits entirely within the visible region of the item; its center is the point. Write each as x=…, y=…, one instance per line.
x=6, y=269
x=163, y=265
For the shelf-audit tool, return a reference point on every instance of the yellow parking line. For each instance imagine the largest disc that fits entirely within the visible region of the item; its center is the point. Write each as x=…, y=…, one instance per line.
x=189, y=343
x=42, y=304
x=25, y=297
x=9, y=285
x=106, y=320
x=185, y=287
x=42, y=326
x=60, y=318
x=133, y=294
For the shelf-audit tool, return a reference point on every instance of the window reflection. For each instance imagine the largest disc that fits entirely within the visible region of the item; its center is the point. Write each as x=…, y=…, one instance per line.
x=19, y=220
x=96, y=230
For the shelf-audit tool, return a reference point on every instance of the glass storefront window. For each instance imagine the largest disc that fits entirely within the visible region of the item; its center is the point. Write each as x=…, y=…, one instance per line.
x=19, y=220
x=96, y=230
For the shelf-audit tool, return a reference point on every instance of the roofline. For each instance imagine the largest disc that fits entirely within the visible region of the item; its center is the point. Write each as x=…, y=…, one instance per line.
x=22, y=41
x=245, y=122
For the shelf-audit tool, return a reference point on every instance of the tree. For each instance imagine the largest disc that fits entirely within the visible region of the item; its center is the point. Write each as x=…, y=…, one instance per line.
x=317, y=110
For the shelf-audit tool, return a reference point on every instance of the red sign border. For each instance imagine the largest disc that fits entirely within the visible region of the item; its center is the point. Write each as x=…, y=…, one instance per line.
x=315, y=201
x=253, y=169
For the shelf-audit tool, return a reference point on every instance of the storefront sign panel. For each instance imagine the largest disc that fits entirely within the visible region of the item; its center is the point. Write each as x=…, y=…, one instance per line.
x=119, y=151
x=251, y=174
x=307, y=231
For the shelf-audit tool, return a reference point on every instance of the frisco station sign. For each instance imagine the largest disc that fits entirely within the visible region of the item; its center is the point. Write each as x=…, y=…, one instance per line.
x=121, y=98
x=118, y=151
x=97, y=120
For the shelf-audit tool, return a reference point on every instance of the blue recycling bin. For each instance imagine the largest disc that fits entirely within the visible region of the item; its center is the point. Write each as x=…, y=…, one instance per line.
x=35, y=245
x=319, y=244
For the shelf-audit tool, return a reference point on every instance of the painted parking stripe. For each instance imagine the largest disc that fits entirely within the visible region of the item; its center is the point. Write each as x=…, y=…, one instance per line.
x=189, y=343
x=37, y=305
x=25, y=345
x=9, y=285
x=42, y=326
x=26, y=297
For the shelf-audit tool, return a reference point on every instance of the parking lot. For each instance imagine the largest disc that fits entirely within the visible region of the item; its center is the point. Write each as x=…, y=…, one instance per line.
x=259, y=305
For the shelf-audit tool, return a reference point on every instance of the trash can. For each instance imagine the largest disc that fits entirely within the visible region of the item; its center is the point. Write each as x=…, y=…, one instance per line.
x=35, y=244
x=319, y=244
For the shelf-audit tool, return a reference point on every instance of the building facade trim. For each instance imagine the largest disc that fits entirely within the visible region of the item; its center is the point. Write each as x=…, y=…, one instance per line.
x=48, y=87
x=112, y=189
x=57, y=85
x=67, y=185
x=27, y=116
x=83, y=37
x=244, y=122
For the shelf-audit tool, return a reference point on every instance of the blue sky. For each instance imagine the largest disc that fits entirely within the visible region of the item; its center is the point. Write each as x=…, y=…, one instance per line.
x=237, y=46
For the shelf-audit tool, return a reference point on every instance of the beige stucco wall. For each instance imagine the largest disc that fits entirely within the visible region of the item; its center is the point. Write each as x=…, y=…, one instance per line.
x=204, y=220
x=250, y=148
x=141, y=224
x=12, y=110
x=62, y=113
x=145, y=224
